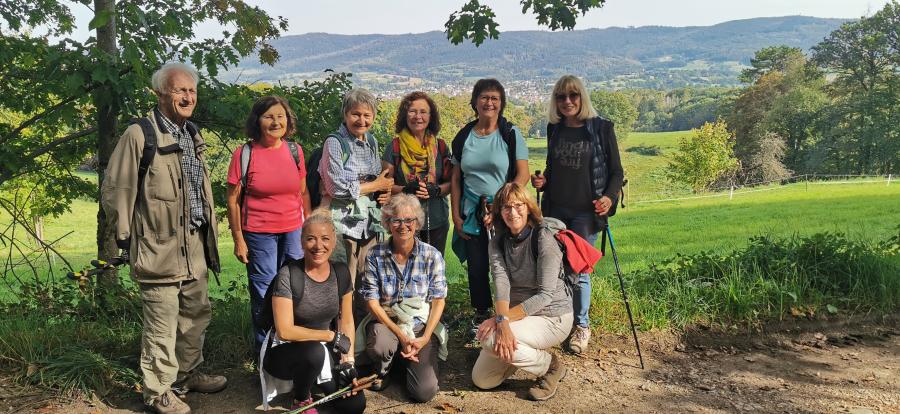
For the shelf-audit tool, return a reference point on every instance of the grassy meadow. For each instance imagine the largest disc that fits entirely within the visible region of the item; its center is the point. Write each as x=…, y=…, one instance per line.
x=644, y=232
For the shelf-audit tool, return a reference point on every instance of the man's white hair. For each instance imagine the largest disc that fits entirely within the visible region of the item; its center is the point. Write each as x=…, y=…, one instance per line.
x=160, y=78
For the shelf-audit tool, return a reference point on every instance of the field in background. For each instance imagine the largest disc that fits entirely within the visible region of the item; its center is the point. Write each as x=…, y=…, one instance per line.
x=643, y=232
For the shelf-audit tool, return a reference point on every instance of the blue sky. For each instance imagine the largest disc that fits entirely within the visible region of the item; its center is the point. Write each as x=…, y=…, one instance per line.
x=405, y=16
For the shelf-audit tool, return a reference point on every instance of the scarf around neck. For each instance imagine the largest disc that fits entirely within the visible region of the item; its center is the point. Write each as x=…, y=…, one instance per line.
x=418, y=161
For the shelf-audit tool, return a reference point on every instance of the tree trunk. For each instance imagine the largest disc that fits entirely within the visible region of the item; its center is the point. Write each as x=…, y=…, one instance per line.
x=107, y=119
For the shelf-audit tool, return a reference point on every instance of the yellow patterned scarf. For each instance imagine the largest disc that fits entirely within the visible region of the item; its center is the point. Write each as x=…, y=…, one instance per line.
x=418, y=160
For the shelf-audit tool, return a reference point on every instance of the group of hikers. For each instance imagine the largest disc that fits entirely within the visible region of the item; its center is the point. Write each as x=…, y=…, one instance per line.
x=320, y=322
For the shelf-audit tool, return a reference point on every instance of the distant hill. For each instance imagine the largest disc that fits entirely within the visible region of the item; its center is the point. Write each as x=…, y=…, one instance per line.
x=652, y=56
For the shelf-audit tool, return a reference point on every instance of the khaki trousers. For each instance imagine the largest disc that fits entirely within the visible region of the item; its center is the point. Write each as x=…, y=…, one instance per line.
x=175, y=317
x=534, y=335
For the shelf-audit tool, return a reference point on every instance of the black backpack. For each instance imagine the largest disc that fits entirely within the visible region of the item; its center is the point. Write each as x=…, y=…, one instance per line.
x=266, y=318
x=314, y=179
x=151, y=147
x=566, y=273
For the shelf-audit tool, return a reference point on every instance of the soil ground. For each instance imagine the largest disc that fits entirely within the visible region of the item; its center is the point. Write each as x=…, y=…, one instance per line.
x=801, y=366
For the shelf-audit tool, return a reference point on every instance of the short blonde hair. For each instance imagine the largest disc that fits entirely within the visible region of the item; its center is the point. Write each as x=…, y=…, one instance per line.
x=320, y=215
x=565, y=85
x=511, y=192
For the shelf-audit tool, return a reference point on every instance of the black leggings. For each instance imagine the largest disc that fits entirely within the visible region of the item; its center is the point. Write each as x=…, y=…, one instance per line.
x=479, y=271
x=302, y=363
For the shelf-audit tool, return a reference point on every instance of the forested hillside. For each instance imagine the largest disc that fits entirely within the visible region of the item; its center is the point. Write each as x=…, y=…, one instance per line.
x=652, y=57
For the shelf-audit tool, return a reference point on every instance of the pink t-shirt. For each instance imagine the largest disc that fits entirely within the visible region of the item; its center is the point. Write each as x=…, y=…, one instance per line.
x=272, y=202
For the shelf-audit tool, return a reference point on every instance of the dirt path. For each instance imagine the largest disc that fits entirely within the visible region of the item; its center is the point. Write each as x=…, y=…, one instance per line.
x=799, y=367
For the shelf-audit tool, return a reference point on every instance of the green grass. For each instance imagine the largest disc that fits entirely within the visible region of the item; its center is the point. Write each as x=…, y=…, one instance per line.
x=744, y=260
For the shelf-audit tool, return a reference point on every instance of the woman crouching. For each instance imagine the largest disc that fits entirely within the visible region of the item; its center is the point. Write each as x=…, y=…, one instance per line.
x=313, y=319
x=534, y=306
x=404, y=288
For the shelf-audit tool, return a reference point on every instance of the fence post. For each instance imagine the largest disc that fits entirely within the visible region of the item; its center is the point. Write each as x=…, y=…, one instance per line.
x=731, y=193
x=889, y=179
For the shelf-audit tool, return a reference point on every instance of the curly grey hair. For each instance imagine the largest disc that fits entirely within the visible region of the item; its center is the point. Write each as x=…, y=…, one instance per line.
x=403, y=201
x=359, y=96
x=160, y=79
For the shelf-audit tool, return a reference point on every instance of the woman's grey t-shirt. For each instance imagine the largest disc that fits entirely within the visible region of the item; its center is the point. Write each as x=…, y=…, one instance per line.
x=319, y=303
x=518, y=278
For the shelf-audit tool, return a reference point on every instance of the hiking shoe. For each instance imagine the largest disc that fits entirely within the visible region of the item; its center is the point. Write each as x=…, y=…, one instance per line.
x=199, y=382
x=580, y=339
x=381, y=383
x=169, y=403
x=545, y=387
x=300, y=404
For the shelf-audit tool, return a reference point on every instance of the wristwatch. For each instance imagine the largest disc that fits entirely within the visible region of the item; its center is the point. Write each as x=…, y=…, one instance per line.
x=500, y=318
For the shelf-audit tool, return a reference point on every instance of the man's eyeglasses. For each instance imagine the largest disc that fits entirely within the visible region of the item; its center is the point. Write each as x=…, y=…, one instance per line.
x=396, y=221
x=573, y=96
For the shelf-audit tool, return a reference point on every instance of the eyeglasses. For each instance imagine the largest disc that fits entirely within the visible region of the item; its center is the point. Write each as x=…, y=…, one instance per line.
x=573, y=96
x=413, y=112
x=184, y=91
x=509, y=207
x=491, y=98
x=273, y=117
x=396, y=221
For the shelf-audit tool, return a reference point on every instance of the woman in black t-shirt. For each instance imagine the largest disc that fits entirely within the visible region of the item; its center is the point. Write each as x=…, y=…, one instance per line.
x=582, y=153
x=318, y=328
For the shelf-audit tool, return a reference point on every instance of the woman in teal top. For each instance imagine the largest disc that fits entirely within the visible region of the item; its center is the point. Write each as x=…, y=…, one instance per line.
x=487, y=153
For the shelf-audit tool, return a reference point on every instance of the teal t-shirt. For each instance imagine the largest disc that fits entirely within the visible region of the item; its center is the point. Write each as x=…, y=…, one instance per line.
x=485, y=161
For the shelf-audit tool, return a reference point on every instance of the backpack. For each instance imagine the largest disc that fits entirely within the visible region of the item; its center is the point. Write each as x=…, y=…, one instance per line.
x=443, y=154
x=266, y=318
x=506, y=132
x=151, y=148
x=566, y=273
x=246, y=152
x=314, y=178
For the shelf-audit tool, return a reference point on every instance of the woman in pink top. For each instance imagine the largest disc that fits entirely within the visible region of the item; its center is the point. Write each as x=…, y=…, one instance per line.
x=265, y=216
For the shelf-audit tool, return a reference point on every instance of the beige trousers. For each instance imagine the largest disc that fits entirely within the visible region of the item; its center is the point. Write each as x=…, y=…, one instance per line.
x=175, y=317
x=534, y=336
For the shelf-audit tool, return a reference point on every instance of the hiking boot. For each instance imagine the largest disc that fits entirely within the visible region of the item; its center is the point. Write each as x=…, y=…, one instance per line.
x=580, y=339
x=199, y=382
x=169, y=403
x=300, y=404
x=545, y=387
x=381, y=383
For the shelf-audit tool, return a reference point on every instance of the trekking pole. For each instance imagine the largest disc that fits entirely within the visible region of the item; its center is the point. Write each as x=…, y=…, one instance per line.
x=427, y=204
x=612, y=247
x=538, y=190
x=362, y=384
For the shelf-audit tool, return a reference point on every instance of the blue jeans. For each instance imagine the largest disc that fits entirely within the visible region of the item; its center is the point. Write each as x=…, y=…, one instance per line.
x=266, y=253
x=582, y=223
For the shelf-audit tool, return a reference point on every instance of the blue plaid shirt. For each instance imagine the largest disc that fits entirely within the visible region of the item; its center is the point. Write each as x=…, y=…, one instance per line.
x=423, y=275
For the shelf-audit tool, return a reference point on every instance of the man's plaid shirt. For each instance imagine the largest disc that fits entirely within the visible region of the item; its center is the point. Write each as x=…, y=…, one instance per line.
x=422, y=276
x=191, y=168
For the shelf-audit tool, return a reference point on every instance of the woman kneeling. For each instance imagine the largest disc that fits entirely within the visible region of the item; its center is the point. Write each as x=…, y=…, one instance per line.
x=404, y=288
x=534, y=305
x=308, y=338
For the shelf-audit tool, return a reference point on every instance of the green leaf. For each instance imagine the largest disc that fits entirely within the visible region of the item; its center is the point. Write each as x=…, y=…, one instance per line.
x=100, y=19
x=831, y=309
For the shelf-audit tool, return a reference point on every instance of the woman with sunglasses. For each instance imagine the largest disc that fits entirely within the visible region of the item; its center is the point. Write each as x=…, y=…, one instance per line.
x=404, y=288
x=582, y=153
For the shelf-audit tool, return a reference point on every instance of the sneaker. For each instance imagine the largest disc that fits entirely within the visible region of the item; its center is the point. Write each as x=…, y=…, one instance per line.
x=545, y=387
x=199, y=382
x=169, y=403
x=477, y=319
x=580, y=339
x=300, y=404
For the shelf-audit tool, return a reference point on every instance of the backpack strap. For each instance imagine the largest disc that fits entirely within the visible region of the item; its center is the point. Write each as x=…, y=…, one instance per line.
x=295, y=152
x=149, y=152
x=246, y=150
x=342, y=272
x=509, y=137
